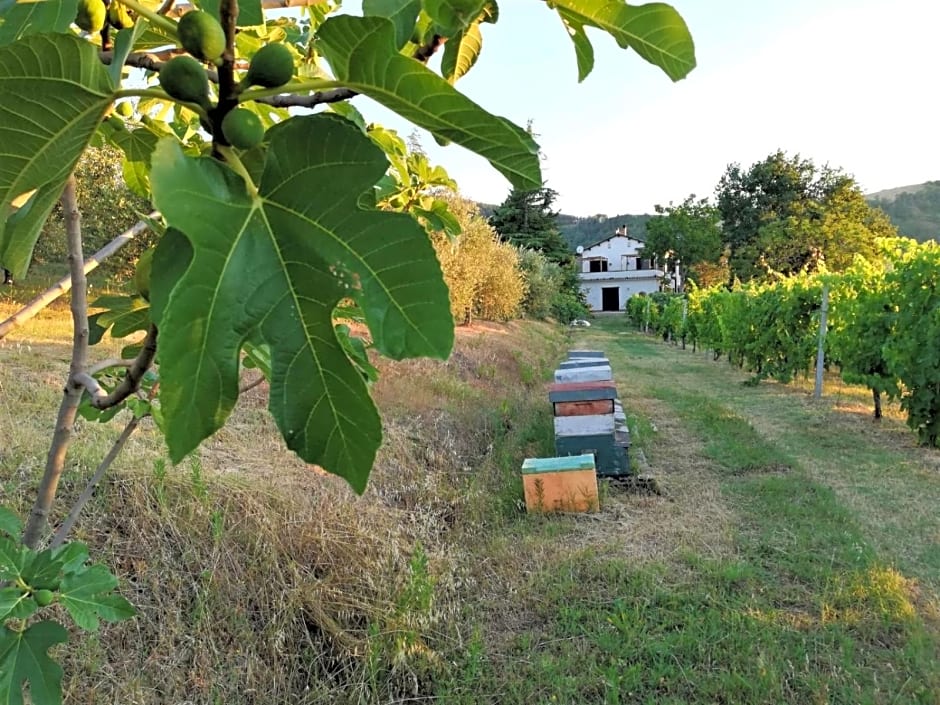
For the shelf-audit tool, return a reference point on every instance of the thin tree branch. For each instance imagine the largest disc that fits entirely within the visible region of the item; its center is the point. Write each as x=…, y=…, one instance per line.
x=228, y=89
x=166, y=7
x=65, y=283
x=91, y=386
x=132, y=378
x=251, y=385
x=154, y=60
x=108, y=364
x=180, y=10
x=72, y=395
x=334, y=95
x=63, y=531
x=430, y=47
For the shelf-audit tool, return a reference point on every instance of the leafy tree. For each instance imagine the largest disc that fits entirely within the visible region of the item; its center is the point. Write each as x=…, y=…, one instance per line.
x=688, y=233
x=526, y=219
x=111, y=207
x=785, y=215
x=270, y=220
x=482, y=273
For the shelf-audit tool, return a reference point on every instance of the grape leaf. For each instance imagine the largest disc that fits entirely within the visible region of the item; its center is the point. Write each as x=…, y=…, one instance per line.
x=88, y=597
x=655, y=31
x=10, y=523
x=24, y=659
x=461, y=52
x=20, y=19
x=402, y=13
x=268, y=267
x=42, y=138
x=362, y=54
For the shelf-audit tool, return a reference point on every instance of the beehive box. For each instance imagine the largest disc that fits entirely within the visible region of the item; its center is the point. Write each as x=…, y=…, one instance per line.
x=593, y=425
x=610, y=458
x=582, y=398
x=582, y=391
x=567, y=484
x=595, y=373
x=573, y=364
x=584, y=408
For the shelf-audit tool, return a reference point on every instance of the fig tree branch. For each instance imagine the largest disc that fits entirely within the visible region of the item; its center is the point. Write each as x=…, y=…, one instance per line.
x=63, y=531
x=107, y=364
x=132, y=378
x=72, y=394
x=65, y=283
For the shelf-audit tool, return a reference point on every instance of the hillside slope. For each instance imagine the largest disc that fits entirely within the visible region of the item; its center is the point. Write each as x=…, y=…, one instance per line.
x=915, y=210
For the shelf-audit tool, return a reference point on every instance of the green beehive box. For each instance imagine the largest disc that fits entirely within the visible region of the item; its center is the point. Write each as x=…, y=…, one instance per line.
x=610, y=457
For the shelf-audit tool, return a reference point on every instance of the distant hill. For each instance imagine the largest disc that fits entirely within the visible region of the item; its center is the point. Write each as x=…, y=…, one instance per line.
x=591, y=229
x=915, y=210
x=587, y=231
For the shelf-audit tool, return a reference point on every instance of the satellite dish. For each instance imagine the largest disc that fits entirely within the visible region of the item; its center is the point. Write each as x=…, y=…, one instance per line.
x=579, y=249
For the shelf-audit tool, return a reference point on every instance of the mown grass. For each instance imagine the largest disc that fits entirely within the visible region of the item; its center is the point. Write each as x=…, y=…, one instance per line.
x=804, y=608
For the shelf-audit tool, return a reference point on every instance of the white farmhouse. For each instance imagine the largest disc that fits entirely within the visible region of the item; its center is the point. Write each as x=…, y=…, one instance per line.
x=612, y=271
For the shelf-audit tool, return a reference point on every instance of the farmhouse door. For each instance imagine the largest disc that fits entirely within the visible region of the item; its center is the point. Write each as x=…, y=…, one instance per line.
x=610, y=298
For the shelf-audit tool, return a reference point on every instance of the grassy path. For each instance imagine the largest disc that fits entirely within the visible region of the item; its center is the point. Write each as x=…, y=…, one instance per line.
x=806, y=573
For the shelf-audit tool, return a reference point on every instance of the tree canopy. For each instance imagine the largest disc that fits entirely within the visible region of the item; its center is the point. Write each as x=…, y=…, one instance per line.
x=784, y=215
x=526, y=219
x=688, y=233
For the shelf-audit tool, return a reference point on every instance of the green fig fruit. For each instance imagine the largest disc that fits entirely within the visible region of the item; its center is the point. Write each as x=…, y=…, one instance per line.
x=91, y=15
x=142, y=273
x=271, y=67
x=242, y=128
x=118, y=16
x=184, y=78
x=43, y=597
x=124, y=109
x=201, y=35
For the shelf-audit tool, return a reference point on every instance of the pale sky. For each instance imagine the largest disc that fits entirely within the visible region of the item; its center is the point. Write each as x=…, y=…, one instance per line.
x=850, y=83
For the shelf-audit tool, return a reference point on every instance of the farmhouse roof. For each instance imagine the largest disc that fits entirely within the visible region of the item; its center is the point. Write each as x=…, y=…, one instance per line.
x=618, y=232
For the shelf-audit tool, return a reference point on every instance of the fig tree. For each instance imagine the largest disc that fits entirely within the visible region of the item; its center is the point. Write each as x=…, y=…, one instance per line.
x=43, y=597
x=91, y=15
x=271, y=67
x=183, y=78
x=242, y=128
x=201, y=35
x=142, y=273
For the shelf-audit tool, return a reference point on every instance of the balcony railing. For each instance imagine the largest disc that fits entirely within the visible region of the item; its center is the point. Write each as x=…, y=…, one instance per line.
x=622, y=274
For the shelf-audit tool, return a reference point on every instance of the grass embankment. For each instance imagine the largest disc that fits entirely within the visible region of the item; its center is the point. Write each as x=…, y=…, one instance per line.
x=792, y=558
x=259, y=579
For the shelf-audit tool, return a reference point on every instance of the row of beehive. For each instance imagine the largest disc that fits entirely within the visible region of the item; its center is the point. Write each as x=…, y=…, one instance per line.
x=591, y=437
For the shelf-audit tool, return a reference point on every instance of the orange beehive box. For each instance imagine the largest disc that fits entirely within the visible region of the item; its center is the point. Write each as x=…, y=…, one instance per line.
x=584, y=408
x=567, y=484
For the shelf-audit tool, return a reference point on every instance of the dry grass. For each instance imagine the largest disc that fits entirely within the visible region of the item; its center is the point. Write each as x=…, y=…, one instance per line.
x=257, y=578
x=690, y=515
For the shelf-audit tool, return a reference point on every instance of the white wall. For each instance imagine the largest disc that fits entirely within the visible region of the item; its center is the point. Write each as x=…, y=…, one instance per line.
x=628, y=287
x=614, y=250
